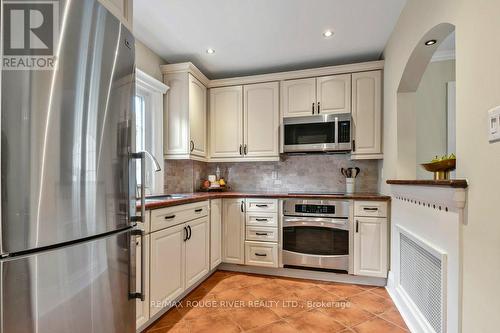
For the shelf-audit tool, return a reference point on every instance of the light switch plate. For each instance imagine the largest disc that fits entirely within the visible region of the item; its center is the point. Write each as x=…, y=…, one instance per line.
x=494, y=124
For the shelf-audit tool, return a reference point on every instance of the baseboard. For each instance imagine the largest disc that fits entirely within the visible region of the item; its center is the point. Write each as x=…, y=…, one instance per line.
x=305, y=274
x=407, y=311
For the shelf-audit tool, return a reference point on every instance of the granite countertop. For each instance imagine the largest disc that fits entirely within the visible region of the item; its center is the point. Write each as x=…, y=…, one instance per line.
x=201, y=196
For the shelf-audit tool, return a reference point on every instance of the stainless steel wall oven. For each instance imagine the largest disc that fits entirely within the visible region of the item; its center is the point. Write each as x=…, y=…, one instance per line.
x=316, y=234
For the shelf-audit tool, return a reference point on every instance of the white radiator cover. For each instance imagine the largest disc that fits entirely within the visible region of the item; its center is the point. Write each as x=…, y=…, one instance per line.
x=423, y=279
x=425, y=275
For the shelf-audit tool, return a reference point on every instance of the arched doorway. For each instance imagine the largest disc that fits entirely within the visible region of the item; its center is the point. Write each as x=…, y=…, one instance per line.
x=425, y=103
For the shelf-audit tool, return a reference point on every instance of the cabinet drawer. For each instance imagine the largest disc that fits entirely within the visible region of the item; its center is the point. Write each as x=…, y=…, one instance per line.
x=261, y=234
x=170, y=216
x=370, y=208
x=261, y=254
x=262, y=219
x=262, y=205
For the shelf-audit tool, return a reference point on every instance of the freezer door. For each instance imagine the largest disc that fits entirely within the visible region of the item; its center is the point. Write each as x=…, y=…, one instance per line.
x=82, y=288
x=67, y=134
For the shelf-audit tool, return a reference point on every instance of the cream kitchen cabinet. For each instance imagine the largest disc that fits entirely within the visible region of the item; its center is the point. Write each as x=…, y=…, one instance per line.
x=215, y=233
x=197, y=250
x=261, y=119
x=367, y=115
x=142, y=307
x=244, y=122
x=298, y=97
x=167, y=266
x=313, y=96
x=233, y=234
x=122, y=9
x=185, y=117
x=370, y=246
x=226, y=122
x=333, y=94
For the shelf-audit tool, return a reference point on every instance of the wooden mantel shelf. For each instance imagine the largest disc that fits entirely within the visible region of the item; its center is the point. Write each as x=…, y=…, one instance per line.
x=453, y=183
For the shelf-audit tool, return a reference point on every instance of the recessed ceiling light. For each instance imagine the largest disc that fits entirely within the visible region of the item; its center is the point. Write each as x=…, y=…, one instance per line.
x=328, y=33
x=431, y=42
x=210, y=51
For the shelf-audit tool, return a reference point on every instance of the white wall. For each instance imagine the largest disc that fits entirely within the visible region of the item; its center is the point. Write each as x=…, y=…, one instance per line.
x=478, y=89
x=148, y=61
x=431, y=113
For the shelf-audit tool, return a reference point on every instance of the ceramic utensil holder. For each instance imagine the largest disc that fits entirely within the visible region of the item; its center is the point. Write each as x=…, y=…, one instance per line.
x=350, y=184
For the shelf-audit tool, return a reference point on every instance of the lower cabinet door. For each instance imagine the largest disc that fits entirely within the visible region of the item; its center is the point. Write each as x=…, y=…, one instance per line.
x=215, y=232
x=197, y=250
x=370, y=246
x=142, y=307
x=167, y=266
x=233, y=231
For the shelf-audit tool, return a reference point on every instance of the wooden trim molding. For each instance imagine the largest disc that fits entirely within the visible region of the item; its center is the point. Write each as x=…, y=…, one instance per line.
x=453, y=183
x=150, y=82
x=185, y=67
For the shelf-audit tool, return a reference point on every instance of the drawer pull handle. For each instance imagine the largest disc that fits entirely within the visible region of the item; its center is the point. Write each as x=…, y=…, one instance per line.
x=169, y=217
x=262, y=206
x=199, y=210
x=371, y=209
x=262, y=220
x=261, y=255
x=261, y=233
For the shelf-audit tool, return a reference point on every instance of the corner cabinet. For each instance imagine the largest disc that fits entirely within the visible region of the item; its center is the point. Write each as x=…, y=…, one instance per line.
x=367, y=115
x=233, y=231
x=122, y=9
x=244, y=122
x=185, y=117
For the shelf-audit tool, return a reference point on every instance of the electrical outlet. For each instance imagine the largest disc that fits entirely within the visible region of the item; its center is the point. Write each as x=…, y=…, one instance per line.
x=494, y=124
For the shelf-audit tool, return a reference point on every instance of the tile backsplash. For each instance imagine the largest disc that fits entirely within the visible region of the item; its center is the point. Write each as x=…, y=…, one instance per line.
x=293, y=173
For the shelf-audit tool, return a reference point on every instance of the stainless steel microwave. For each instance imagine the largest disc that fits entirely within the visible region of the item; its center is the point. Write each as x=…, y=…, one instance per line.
x=322, y=133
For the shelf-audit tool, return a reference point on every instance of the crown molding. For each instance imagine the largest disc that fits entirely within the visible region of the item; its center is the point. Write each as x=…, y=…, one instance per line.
x=188, y=67
x=185, y=67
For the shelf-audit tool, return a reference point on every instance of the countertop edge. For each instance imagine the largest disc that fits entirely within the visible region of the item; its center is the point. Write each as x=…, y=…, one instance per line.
x=452, y=183
x=202, y=196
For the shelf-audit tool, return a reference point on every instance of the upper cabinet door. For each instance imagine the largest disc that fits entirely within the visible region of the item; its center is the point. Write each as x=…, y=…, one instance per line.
x=367, y=114
x=261, y=119
x=226, y=122
x=334, y=94
x=176, y=115
x=298, y=97
x=197, y=117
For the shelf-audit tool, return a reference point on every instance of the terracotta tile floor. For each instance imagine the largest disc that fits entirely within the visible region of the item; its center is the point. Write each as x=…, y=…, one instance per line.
x=236, y=302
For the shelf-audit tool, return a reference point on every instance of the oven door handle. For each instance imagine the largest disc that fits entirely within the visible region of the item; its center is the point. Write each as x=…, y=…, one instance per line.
x=331, y=224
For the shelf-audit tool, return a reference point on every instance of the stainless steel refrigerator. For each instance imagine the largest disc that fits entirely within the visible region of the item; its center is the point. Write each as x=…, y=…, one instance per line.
x=68, y=180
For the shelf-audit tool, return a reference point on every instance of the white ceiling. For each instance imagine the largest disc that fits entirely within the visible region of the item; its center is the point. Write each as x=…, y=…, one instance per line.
x=259, y=36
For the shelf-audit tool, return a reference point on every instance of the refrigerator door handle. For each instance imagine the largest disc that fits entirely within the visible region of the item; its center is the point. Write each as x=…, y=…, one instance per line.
x=142, y=293
x=142, y=156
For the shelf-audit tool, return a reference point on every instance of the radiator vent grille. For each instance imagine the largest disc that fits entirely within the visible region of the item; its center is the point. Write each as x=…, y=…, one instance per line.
x=421, y=276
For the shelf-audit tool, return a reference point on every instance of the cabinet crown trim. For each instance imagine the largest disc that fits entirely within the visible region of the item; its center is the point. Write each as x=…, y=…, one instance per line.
x=279, y=76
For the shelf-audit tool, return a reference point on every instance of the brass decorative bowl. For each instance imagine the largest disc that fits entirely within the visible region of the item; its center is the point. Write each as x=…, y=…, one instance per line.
x=441, y=169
